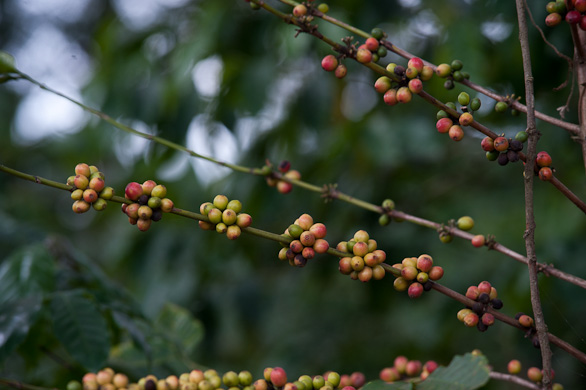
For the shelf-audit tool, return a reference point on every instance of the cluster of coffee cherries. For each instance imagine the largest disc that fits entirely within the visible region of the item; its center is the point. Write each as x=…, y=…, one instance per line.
x=90, y=188
x=364, y=260
x=405, y=369
x=416, y=275
x=224, y=216
x=451, y=125
x=483, y=295
x=534, y=374
x=558, y=11
x=308, y=238
x=451, y=72
x=406, y=81
x=543, y=166
x=301, y=11
x=276, y=378
x=283, y=186
x=502, y=149
x=149, y=202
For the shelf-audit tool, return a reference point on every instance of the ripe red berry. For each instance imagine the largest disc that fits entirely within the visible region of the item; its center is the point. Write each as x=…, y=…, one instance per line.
x=415, y=86
x=543, y=159
x=472, y=293
x=471, y=319
x=329, y=63
x=487, y=319
x=83, y=169
x=278, y=377
x=553, y=19
x=484, y=287
x=415, y=290
x=582, y=23
x=534, y=374
x=389, y=374
x=466, y=119
x=413, y=368
x=525, y=321
x=545, y=174
x=501, y=144
x=417, y=63
x=573, y=17
x=372, y=44
x=436, y=272
x=390, y=97
x=133, y=190
x=478, y=240
x=487, y=144
x=443, y=125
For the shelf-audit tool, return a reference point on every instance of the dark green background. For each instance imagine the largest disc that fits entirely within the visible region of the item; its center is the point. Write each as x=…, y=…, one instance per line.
x=254, y=310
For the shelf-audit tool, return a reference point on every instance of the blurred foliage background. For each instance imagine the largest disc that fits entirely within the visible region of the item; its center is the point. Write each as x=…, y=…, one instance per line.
x=236, y=84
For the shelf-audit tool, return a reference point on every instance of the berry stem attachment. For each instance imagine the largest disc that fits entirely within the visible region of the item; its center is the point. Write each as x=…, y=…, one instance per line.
x=516, y=379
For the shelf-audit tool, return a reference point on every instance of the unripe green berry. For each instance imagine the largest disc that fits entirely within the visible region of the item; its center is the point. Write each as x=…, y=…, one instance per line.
x=100, y=204
x=458, y=76
x=81, y=182
x=235, y=205
x=107, y=193
x=521, y=136
x=215, y=215
x=475, y=104
x=77, y=194
x=501, y=107
x=295, y=230
x=377, y=33
x=159, y=191
x=360, y=249
x=463, y=98
x=206, y=207
x=384, y=220
x=229, y=217
x=147, y=187
x=443, y=70
x=400, y=284
x=230, y=379
x=323, y=8
x=361, y=236
x=220, y=201
x=145, y=212
x=465, y=223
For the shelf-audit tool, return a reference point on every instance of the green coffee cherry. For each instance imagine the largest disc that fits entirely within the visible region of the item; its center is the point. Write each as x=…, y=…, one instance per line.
x=457, y=65
x=463, y=98
x=475, y=104
x=377, y=33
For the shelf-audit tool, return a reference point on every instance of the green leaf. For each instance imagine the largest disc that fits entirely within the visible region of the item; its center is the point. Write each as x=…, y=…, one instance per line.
x=30, y=271
x=16, y=319
x=381, y=385
x=81, y=328
x=180, y=326
x=463, y=373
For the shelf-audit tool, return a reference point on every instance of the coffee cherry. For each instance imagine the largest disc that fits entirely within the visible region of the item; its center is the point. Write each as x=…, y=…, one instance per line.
x=404, y=95
x=318, y=230
x=463, y=97
x=525, y=321
x=534, y=374
x=278, y=377
x=456, y=133
x=133, y=191
x=77, y=194
x=157, y=215
x=443, y=70
x=487, y=144
x=424, y=263
x=167, y=205
x=390, y=97
x=543, y=159
x=463, y=313
x=97, y=184
x=341, y=71
x=80, y=206
x=471, y=319
x=501, y=144
x=220, y=201
x=81, y=182
x=145, y=212
x=143, y=200
x=573, y=17
x=466, y=119
x=401, y=284
x=399, y=70
x=243, y=220
x=426, y=73
x=465, y=223
x=512, y=156
x=411, y=73
x=475, y=104
x=382, y=84
x=415, y=290
x=132, y=210
x=415, y=86
x=458, y=76
x=372, y=44
x=521, y=136
x=363, y=56
x=298, y=11
x=323, y=8
x=487, y=319
x=377, y=33
x=329, y=63
x=478, y=240
x=229, y=217
x=143, y=224
x=233, y=232
x=514, y=367
x=445, y=237
x=502, y=159
x=496, y=303
x=545, y=174
x=449, y=84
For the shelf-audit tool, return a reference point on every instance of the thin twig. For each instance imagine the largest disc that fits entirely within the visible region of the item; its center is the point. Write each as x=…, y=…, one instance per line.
x=540, y=324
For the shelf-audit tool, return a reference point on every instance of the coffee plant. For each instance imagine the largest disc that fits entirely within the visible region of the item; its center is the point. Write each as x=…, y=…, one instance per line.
x=301, y=224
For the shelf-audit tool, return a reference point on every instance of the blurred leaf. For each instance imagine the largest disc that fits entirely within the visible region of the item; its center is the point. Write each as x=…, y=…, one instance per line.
x=28, y=271
x=16, y=318
x=463, y=373
x=381, y=385
x=180, y=326
x=81, y=328
x=136, y=332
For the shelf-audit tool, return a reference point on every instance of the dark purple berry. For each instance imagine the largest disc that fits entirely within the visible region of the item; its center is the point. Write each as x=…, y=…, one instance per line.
x=399, y=70
x=483, y=298
x=143, y=199
x=478, y=307
x=157, y=215
x=496, y=303
x=284, y=166
x=512, y=156
x=502, y=159
x=427, y=285
x=150, y=385
x=481, y=326
x=516, y=145
x=299, y=260
x=518, y=315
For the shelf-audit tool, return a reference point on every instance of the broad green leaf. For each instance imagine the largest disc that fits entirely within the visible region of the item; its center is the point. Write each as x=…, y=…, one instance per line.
x=16, y=319
x=81, y=328
x=180, y=326
x=463, y=373
x=381, y=385
x=30, y=271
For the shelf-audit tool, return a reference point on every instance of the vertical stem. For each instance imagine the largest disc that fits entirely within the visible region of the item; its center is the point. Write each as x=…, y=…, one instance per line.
x=529, y=215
